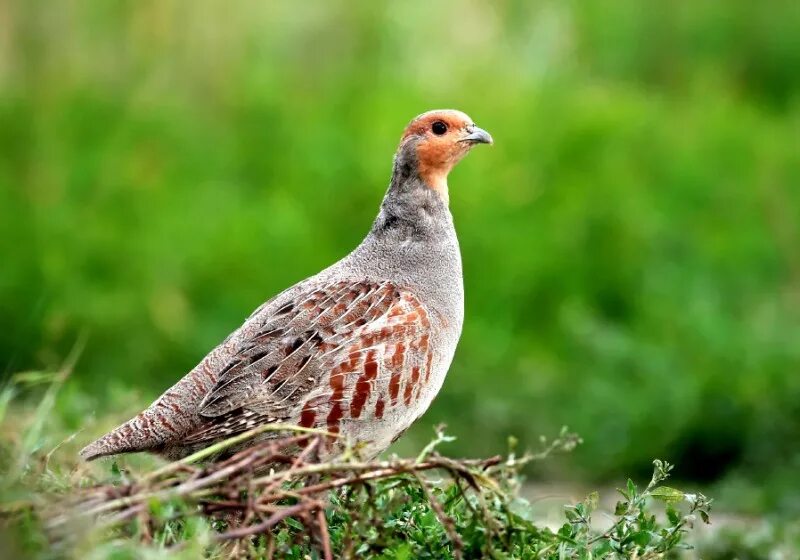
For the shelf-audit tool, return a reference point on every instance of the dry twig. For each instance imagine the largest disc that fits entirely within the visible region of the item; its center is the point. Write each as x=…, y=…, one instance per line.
x=257, y=489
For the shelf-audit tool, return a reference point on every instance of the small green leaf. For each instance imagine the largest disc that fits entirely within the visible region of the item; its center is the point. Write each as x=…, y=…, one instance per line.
x=155, y=507
x=667, y=494
x=673, y=515
x=565, y=530
x=293, y=523
x=403, y=552
x=642, y=538
x=571, y=514
x=621, y=508
x=631, y=489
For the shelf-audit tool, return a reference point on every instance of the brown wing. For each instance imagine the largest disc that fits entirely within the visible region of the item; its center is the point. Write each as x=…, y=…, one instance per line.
x=324, y=356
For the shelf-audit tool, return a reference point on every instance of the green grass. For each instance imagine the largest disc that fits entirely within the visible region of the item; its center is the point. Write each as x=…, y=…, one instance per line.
x=457, y=510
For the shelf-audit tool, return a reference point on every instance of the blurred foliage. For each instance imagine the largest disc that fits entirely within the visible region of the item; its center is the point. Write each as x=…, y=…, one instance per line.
x=630, y=243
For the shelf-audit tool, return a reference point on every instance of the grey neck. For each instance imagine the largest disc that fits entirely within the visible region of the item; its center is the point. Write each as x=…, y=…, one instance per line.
x=413, y=242
x=411, y=210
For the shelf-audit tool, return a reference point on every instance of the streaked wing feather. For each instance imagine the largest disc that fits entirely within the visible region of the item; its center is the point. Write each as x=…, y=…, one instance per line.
x=326, y=351
x=291, y=338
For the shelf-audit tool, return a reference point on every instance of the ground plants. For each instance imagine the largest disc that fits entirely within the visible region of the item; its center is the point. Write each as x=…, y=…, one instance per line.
x=277, y=499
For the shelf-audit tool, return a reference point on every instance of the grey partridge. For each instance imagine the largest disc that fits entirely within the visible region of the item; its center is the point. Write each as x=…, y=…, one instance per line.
x=360, y=349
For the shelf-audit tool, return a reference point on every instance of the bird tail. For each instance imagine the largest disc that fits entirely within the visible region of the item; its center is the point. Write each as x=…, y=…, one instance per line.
x=165, y=422
x=132, y=436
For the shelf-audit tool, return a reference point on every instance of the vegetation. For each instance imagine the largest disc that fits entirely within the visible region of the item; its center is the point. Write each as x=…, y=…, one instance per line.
x=276, y=499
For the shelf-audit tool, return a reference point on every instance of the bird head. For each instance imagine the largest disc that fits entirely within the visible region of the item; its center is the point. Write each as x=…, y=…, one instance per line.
x=437, y=141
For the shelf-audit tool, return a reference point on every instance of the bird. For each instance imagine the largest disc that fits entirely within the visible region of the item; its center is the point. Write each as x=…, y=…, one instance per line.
x=359, y=350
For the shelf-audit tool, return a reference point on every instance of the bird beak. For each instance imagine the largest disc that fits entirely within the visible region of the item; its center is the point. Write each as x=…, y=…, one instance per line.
x=477, y=135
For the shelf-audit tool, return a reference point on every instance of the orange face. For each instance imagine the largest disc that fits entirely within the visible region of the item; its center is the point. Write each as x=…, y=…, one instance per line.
x=442, y=138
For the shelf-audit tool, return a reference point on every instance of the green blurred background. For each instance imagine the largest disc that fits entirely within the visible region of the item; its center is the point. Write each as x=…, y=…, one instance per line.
x=631, y=243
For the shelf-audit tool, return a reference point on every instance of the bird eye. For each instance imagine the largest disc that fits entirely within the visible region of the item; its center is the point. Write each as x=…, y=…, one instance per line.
x=439, y=128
